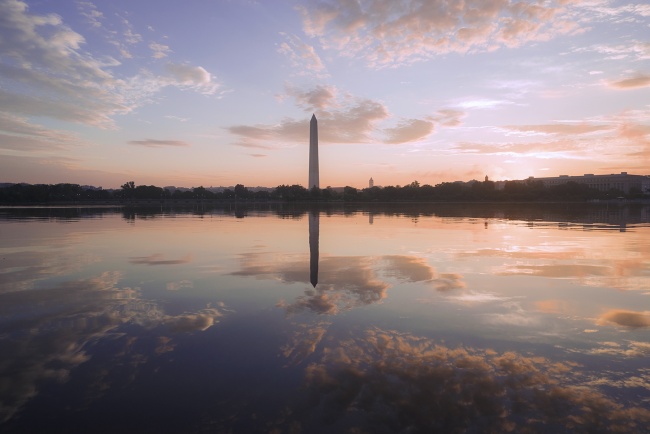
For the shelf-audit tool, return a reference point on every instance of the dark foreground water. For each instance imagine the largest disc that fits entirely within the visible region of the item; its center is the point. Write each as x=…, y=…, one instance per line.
x=417, y=319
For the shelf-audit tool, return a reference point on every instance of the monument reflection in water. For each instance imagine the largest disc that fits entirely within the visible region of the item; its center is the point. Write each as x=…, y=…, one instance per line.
x=314, y=234
x=446, y=319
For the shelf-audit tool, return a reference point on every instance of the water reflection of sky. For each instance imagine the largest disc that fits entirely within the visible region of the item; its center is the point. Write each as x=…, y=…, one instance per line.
x=212, y=322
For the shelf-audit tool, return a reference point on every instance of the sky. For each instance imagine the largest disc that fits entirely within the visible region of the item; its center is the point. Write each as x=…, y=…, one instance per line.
x=221, y=92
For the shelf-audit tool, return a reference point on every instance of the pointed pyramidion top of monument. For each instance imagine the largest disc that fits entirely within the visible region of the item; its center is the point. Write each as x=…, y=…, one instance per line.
x=313, y=117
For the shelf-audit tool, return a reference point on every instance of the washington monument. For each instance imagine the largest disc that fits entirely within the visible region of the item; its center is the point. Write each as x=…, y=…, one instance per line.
x=313, y=153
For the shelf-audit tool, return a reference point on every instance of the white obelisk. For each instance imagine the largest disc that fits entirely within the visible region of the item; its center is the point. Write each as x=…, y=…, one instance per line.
x=313, y=154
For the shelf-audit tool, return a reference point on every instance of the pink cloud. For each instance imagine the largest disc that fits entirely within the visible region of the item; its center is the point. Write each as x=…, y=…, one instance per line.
x=353, y=122
x=449, y=117
x=387, y=35
x=410, y=130
x=640, y=80
x=342, y=119
x=152, y=143
x=319, y=98
x=574, y=128
x=626, y=318
x=303, y=57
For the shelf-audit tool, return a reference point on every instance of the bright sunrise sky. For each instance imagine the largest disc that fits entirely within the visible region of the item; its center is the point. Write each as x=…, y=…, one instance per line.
x=216, y=93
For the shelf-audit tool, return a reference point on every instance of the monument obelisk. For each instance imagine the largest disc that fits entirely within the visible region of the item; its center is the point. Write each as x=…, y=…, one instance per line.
x=313, y=154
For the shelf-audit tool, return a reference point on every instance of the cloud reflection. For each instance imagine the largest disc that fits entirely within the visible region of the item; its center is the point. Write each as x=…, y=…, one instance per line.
x=624, y=349
x=303, y=342
x=159, y=259
x=558, y=271
x=620, y=272
x=409, y=268
x=344, y=282
x=188, y=322
x=20, y=270
x=64, y=321
x=180, y=284
x=627, y=318
x=387, y=381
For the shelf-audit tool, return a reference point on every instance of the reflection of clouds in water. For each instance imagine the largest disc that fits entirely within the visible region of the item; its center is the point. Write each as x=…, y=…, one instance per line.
x=180, y=284
x=629, y=273
x=416, y=269
x=613, y=275
x=159, y=259
x=446, y=282
x=624, y=380
x=51, y=340
x=344, y=282
x=76, y=313
x=409, y=268
x=391, y=382
x=552, y=306
x=624, y=349
x=557, y=271
x=165, y=345
x=523, y=253
x=316, y=302
x=287, y=268
x=515, y=316
x=626, y=318
x=303, y=342
x=19, y=270
x=188, y=322
x=479, y=297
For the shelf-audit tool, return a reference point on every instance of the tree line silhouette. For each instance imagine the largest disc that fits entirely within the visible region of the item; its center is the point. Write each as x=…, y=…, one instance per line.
x=473, y=191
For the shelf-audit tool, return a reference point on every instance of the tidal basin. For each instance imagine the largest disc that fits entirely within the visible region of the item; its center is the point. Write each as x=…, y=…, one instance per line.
x=287, y=319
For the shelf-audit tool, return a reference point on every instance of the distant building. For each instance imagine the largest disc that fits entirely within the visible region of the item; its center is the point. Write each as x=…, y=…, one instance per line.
x=371, y=183
x=623, y=181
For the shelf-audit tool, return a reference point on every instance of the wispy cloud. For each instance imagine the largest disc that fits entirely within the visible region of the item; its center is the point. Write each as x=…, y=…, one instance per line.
x=483, y=104
x=554, y=129
x=159, y=50
x=449, y=117
x=302, y=57
x=386, y=33
x=353, y=121
x=192, y=77
x=563, y=147
x=18, y=134
x=152, y=143
x=638, y=81
x=176, y=118
x=67, y=83
x=80, y=91
x=409, y=130
x=90, y=12
x=635, y=50
x=612, y=138
x=342, y=118
x=320, y=97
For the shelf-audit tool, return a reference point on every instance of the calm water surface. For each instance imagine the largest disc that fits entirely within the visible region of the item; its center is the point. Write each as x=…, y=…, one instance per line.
x=446, y=319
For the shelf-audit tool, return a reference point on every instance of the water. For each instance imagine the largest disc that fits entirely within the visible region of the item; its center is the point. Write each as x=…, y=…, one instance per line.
x=411, y=318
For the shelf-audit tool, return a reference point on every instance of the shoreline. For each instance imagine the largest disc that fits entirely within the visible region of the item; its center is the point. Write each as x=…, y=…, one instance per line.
x=189, y=202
